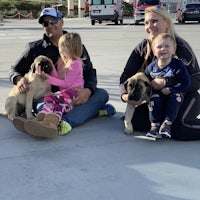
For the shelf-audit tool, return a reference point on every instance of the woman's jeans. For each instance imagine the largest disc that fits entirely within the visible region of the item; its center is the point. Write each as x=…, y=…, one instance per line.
x=81, y=113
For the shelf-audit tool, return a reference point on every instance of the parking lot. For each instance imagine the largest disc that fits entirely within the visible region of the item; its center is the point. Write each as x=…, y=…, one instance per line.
x=96, y=161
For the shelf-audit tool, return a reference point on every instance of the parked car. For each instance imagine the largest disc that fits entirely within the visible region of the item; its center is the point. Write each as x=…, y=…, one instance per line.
x=106, y=10
x=191, y=12
x=139, y=9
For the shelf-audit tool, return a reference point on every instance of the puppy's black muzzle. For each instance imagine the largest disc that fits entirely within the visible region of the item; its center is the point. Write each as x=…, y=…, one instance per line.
x=46, y=67
x=136, y=94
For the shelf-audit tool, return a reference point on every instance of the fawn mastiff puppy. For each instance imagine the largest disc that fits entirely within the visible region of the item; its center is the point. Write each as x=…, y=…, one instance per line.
x=17, y=103
x=139, y=89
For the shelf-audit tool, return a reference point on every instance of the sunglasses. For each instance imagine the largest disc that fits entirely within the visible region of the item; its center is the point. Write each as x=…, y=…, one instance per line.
x=51, y=21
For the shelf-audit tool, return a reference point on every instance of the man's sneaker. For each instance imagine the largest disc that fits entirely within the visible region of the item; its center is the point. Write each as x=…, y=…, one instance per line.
x=107, y=110
x=154, y=132
x=165, y=129
x=64, y=128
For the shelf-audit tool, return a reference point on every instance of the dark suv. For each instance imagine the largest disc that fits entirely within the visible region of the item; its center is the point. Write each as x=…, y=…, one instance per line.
x=191, y=12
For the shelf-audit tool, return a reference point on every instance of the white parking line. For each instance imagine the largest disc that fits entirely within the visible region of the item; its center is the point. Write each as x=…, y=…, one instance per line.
x=4, y=35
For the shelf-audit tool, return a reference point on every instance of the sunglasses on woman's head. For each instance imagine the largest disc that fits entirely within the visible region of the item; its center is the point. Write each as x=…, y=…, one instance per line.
x=51, y=21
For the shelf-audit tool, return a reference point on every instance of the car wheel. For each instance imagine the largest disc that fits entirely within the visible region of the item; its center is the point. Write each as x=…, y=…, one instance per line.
x=183, y=21
x=136, y=22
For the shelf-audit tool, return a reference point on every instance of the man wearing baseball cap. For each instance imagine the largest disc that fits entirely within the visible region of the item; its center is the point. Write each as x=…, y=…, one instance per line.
x=90, y=100
x=49, y=12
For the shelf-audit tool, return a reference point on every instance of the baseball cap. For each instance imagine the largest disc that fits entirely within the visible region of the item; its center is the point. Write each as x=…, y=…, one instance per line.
x=49, y=12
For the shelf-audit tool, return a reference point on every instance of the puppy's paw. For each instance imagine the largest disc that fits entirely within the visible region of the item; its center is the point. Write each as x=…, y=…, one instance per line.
x=128, y=128
x=11, y=116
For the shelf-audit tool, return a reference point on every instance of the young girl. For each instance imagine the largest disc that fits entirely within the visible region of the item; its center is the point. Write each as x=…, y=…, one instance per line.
x=68, y=76
x=165, y=103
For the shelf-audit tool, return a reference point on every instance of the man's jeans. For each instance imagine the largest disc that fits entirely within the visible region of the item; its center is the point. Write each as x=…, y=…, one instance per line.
x=82, y=113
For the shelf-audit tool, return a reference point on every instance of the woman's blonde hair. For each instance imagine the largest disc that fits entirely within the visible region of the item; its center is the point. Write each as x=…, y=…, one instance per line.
x=72, y=43
x=165, y=15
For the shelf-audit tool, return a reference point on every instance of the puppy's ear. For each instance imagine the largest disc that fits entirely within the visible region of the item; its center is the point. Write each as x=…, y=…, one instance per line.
x=33, y=67
x=131, y=82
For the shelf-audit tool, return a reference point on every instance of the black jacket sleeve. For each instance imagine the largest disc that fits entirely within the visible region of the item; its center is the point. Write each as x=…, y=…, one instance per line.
x=135, y=62
x=89, y=73
x=21, y=65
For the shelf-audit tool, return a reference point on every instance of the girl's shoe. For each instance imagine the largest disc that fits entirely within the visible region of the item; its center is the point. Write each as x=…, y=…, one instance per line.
x=47, y=128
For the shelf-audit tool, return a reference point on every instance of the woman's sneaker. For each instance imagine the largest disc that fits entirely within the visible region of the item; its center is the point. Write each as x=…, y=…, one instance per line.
x=165, y=129
x=64, y=128
x=154, y=132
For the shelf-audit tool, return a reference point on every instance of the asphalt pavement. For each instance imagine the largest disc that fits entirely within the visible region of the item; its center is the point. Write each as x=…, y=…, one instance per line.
x=95, y=161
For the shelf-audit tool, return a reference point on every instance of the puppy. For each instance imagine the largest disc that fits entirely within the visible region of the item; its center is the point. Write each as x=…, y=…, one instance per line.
x=17, y=103
x=138, y=88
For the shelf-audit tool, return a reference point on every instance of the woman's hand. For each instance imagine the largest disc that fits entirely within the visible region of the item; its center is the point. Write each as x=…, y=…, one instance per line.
x=22, y=85
x=158, y=83
x=83, y=95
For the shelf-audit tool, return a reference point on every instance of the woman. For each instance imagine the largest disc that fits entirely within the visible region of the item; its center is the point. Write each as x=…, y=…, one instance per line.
x=187, y=125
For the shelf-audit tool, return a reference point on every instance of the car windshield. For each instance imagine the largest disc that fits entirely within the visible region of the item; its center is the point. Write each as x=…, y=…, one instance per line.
x=102, y=2
x=108, y=2
x=148, y=2
x=96, y=2
x=193, y=6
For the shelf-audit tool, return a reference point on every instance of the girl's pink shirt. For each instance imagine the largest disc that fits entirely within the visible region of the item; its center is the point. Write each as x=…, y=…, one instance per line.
x=72, y=79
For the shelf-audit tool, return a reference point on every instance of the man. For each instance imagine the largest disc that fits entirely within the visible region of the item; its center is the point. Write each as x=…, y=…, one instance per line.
x=90, y=101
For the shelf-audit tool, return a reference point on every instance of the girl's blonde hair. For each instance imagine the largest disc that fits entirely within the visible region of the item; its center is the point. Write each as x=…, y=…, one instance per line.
x=72, y=43
x=165, y=15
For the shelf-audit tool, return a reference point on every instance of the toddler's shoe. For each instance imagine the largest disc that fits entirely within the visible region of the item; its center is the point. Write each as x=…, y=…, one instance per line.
x=154, y=132
x=165, y=129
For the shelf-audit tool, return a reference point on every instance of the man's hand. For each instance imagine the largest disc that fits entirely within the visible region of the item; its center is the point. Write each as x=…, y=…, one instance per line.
x=22, y=85
x=134, y=103
x=158, y=83
x=83, y=96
